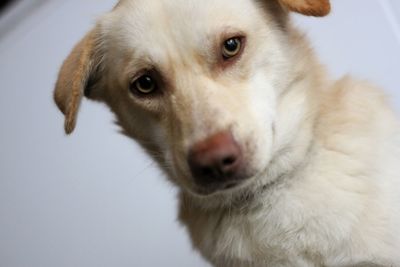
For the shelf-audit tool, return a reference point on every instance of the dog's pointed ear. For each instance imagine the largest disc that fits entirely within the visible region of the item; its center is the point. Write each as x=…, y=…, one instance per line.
x=317, y=8
x=74, y=79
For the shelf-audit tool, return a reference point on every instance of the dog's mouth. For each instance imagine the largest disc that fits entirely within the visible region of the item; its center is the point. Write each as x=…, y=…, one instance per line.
x=217, y=187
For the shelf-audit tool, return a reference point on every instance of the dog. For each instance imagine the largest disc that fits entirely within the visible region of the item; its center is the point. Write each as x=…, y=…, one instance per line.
x=276, y=164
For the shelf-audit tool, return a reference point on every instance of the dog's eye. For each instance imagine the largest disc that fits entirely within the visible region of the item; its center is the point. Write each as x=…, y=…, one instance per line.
x=144, y=85
x=231, y=47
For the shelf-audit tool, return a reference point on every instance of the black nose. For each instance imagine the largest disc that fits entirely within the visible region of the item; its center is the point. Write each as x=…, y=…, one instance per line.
x=216, y=160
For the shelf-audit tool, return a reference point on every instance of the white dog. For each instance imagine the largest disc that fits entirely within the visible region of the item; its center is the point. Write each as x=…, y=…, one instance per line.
x=277, y=165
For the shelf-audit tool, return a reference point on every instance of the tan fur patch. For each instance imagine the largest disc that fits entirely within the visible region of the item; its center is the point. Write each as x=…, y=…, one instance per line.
x=318, y=8
x=72, y=80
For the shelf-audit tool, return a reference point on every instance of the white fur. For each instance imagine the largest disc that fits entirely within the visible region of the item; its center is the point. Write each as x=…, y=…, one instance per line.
x=323, y=156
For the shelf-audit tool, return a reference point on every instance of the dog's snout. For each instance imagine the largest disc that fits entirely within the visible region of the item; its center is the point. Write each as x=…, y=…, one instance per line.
x=216, y=160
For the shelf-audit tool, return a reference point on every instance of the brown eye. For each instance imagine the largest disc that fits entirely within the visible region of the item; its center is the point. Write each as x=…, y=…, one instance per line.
x=231, y=47
x=143, y=85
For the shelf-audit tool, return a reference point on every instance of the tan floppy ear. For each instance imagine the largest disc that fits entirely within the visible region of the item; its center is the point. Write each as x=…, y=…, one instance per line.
x=74, y=78
x=317, y=8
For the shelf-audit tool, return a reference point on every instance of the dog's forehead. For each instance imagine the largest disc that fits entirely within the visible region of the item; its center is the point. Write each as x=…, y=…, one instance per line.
x=180, y=11
x=147, y=23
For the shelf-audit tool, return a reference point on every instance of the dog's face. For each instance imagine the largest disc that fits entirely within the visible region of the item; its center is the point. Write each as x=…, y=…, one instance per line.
x=184, y=75
x=196, y=83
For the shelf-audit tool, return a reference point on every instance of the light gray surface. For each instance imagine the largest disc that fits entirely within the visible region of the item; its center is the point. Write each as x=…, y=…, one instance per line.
x=94, y=199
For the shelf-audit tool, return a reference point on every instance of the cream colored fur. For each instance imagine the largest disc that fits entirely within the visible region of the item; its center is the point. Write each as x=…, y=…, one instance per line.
x=322, y=156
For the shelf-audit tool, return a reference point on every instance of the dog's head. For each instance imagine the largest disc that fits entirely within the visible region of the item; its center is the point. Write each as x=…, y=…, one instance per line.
x=196, y=83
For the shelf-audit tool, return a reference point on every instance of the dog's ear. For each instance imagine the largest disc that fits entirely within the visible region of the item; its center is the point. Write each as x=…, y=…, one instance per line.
x=317, y=8
x=75, y=79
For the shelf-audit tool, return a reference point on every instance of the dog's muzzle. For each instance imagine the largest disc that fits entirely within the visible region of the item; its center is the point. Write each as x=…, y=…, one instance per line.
x=217, y=162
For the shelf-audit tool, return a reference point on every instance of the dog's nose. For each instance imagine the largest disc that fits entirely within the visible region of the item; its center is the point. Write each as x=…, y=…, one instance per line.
x=216, y=160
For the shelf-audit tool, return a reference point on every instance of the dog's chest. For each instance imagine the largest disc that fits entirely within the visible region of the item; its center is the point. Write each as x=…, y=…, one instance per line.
x=245, y=239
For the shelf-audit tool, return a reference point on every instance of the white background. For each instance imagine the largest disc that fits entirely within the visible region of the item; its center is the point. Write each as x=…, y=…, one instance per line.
x=93, y=199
